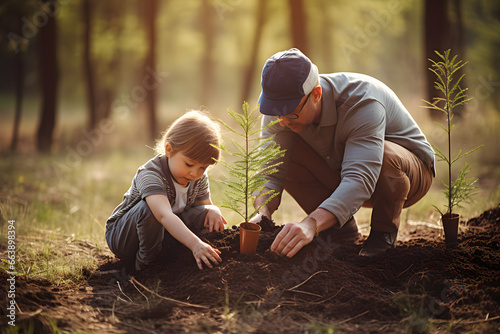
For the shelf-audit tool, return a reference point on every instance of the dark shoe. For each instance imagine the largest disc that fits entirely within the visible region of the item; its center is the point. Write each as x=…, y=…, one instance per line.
x=347, y=234
x=140, y=266
x=378, y=243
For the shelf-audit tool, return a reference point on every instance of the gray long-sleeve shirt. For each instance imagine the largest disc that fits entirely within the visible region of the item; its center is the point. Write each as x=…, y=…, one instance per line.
x=358, y=113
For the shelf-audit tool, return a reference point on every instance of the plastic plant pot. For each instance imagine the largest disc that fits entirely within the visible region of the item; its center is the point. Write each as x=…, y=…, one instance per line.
x=450, y=227
x=249, y=237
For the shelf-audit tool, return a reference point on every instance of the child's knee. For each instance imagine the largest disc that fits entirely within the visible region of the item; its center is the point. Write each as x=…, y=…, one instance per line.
x=144, y=211
x=194, y=218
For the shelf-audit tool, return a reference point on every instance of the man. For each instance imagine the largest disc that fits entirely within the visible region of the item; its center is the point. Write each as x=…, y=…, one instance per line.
x=350, y=142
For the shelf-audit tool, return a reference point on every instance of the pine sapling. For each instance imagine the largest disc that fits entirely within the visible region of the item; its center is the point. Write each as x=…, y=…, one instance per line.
x=255, y=159
x=452, y=96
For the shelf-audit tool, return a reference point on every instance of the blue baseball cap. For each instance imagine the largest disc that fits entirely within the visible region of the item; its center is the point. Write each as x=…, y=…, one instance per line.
x=286, y=78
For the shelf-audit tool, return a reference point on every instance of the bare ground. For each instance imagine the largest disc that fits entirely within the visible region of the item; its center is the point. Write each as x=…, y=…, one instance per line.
x=420, y=286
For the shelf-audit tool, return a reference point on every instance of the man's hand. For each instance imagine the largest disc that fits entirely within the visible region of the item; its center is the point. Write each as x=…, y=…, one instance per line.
x=257, y=218
x=293, y=237
x=204, y=252
x=268, y=209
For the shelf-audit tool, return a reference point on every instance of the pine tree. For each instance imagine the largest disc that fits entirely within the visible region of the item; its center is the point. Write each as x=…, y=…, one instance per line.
x=453, y=95
x=256, y=158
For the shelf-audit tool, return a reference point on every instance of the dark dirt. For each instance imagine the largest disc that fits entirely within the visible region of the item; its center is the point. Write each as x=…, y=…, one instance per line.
x=420, y=286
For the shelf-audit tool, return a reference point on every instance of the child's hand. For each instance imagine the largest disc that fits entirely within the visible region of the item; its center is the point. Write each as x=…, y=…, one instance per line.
x=214, y=220
x=204, y=252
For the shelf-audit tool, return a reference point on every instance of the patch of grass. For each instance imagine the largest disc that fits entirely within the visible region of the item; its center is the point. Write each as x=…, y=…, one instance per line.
x=55, y=258
x=240, y=317
x=11, y=208
x=26, y=327
x=38, y=324
x=414, y=311
x=316, y=328
x=76, y=200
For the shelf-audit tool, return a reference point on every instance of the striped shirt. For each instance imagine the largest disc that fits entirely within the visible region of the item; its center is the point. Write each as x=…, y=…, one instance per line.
x=154, y=178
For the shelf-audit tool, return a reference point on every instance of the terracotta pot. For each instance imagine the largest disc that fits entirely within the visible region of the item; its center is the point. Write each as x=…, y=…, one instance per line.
x=450, y=227
x=249, y=237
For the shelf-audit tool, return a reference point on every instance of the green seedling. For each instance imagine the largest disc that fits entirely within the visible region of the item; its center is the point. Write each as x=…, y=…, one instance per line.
x=255, y=159
x=452, y=96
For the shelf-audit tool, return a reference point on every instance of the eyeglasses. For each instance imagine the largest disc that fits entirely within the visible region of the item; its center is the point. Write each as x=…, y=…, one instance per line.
x=295, y=116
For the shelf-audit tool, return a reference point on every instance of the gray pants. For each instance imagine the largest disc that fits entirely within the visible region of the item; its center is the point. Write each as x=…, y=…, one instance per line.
x=138, y=235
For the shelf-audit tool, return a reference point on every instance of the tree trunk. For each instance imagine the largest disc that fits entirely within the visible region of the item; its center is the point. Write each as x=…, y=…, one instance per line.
x=437, y=37
x=88, y=68
x=248, y=76
x=19, y=93
x=49, y=78
x=326, y=36
x=207, y=66
x=113, y=14
x=151, y=8
x=298, y=23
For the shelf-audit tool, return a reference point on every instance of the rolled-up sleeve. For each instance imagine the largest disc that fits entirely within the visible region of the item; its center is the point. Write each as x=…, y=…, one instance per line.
x=363, y=129
x=149, y=183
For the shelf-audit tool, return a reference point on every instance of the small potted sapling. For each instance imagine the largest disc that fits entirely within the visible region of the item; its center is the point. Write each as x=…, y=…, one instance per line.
x=255, y=158
x=452, y=95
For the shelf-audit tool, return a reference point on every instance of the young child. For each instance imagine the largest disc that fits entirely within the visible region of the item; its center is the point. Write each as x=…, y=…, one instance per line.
x=169, y=196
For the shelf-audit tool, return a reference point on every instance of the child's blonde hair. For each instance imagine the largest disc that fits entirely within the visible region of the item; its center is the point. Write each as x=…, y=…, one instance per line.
x=193, y=134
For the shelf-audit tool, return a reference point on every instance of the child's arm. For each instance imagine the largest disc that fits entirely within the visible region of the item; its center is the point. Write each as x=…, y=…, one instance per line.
x=214, y=219
x=160, y=206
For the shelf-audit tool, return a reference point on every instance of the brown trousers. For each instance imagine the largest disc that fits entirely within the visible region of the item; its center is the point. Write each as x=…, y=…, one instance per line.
x=404, y=179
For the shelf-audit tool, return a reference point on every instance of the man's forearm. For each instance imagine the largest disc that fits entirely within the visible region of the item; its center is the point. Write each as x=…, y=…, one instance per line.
x=323, y=219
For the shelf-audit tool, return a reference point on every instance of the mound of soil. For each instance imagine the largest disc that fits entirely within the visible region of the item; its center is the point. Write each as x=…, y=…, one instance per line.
x=421, y=285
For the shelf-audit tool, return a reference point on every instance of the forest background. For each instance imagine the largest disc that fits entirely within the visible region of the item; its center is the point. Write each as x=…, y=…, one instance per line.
x=87, y=86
